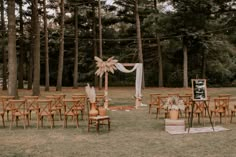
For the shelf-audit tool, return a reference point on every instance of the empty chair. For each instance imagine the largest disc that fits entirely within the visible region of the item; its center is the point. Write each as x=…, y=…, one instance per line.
x=2, y=113
x=57, y=103
x=198, y=110
x=219, y=108
x=18, y=109
x=154, y=101
x=70, y=106
x=226, y=96
x=31, y=104
x=44, y=110
x=187, y=102
x=80, y=106
x=4, y=100
x=161, y=102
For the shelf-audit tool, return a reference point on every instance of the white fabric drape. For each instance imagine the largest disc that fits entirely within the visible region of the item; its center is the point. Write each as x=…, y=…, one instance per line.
x=139, y=72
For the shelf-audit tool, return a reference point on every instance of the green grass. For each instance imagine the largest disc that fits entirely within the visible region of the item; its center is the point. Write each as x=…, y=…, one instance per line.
x=134, y=134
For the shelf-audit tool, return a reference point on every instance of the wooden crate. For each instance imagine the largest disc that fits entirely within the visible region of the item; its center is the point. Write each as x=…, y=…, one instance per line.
x=175, y=125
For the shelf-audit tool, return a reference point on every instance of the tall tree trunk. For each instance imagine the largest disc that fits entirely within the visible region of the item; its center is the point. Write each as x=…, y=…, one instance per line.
x=47, y=83
x=159, y=54
x=160, y=67
x=139, y=39
x=21, y=57
x=75, y=84
x=61, y=53
x=204, y=53
x=4, y=52
x=185, y=65
x=36, y=41
x=94, y=41
x=12, y=62
x=30, y=62
x=100, y=38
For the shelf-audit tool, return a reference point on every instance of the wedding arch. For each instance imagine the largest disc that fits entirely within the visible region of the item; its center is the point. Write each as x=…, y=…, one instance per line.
x=110, y=66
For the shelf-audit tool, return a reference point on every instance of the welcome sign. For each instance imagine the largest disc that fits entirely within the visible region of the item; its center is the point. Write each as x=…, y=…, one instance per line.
x=199, y=89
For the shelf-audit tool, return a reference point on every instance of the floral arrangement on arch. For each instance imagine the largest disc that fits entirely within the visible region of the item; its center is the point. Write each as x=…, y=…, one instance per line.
x=105, y=66
x=174, y=103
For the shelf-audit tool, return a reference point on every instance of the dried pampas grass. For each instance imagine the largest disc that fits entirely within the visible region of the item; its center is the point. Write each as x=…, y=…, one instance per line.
x=91, y=94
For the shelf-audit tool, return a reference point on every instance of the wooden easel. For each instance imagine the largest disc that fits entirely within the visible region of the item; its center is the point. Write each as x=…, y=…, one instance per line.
x=199, y=93
x=191, y=115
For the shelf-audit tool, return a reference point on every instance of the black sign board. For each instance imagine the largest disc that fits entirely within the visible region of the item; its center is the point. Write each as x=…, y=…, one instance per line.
x=199, y=89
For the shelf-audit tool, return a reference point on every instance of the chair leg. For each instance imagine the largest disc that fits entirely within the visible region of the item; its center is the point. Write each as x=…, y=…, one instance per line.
x=220, y=118
x=231, y=116
x=65, y=121
x=28, y=122
x=42, y=121
x=52, y=119
x=77, y=121
x=157, y=113
x=82, y=114
x=17, y=118
x=38, y=118
x=60, y=114
x=12, y=120
x=109, y=124
x=7, y=115
x=24, y=120
x=30, y=114
x=97, y=125
x=198, y=116
x=3, y=122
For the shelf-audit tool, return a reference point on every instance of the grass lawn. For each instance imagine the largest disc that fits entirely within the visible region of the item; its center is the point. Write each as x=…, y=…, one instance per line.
x=134, y=133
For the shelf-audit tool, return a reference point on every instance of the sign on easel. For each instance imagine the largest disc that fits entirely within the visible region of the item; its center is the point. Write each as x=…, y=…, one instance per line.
x=199, y=93
x=199, y=89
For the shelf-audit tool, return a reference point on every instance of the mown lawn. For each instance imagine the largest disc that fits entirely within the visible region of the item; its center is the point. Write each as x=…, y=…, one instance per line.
x=134, y=133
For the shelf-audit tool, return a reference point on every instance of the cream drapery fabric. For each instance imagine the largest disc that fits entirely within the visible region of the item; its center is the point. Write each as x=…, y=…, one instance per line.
x=138, y=81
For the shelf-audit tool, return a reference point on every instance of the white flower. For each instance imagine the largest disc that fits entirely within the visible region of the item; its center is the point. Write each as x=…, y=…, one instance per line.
x=174, y=103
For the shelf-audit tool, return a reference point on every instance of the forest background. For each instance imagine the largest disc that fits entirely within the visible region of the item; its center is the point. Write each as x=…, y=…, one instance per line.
x=53, y=42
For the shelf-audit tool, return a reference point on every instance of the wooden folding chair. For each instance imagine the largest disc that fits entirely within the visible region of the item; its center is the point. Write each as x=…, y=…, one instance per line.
x=161, y=103
x=97, y=120
x=70, y=109
x=199, y=110
x=81, y=104
x=2, y=113
x=18, y=109
x=57, y=103
x=220, y=108
x=4, y=100
x=154, y=101
x=31, y=104
x=187, y=102
x=226, y=96
x=44, y=109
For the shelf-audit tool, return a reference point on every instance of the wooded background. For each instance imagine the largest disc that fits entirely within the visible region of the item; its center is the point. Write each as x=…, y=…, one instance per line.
x=53, y=42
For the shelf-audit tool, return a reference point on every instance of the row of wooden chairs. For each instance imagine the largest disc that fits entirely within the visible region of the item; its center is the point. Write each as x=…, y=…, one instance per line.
x=158, y=100
x=46, y=107
x=49, y=107
x=220, y=106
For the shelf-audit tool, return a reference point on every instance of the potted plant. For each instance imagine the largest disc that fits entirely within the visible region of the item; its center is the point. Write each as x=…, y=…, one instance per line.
x=173, y=104
x=90, y=91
